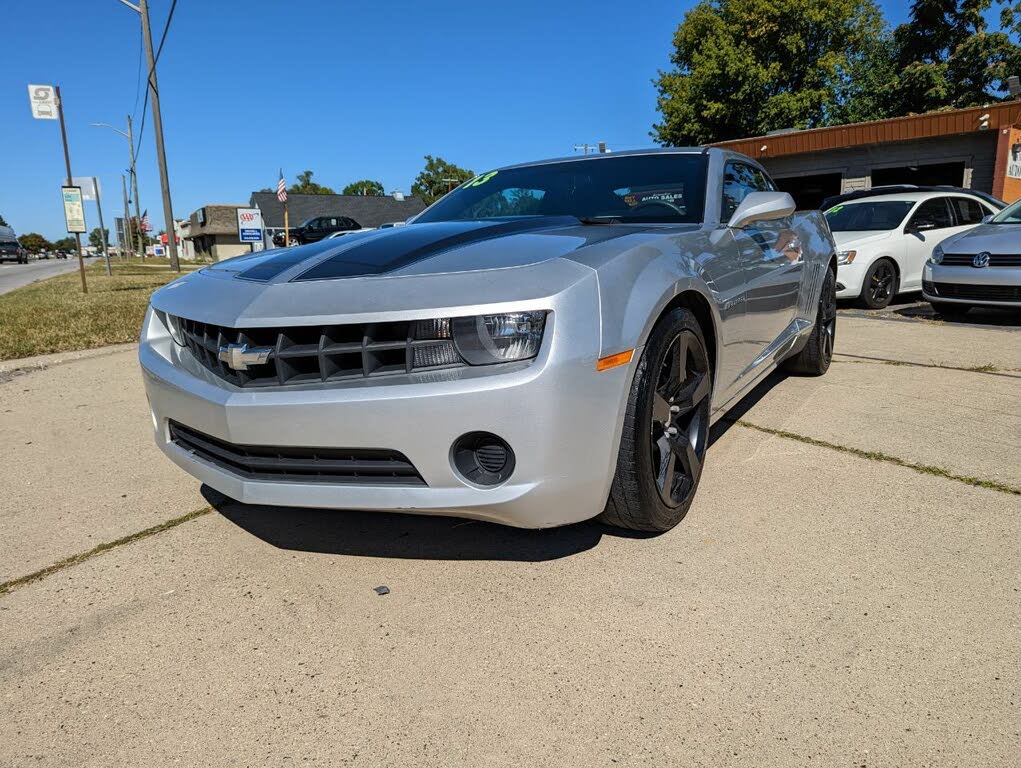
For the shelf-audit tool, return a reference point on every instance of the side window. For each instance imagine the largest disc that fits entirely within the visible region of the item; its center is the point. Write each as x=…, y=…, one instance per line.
x=315, y=224
x=932, y=214
x=739, y=181
x=968, y=211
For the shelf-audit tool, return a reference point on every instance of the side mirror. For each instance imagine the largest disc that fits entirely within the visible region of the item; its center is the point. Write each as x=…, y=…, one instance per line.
x=923, y=226
x=762, y=206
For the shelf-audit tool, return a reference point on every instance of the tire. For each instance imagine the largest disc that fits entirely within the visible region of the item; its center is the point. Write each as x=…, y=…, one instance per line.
x=815, y=357
x=950, y=311
x=880, y=285
x=658, y=471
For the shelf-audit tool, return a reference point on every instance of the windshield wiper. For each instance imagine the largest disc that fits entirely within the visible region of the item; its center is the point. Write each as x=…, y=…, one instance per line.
x=599, y=219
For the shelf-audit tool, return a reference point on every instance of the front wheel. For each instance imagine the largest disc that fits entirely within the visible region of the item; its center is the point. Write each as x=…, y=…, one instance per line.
x=880, y=284
x=666, y=429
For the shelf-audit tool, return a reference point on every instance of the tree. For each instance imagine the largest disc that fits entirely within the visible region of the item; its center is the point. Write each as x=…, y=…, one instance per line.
x=3, y=222
x=946, y=57
x=306, y=186
x=34, y=242
x=366, y=187
x=96, y=237
x=437, y=178
x=745, y=67
x=64, y=244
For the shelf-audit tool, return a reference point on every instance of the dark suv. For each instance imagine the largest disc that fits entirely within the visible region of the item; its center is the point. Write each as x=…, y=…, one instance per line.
x=11, y=250
x=318, y=228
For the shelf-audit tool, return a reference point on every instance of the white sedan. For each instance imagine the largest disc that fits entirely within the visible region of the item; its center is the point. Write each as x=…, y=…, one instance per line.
x=885, y=240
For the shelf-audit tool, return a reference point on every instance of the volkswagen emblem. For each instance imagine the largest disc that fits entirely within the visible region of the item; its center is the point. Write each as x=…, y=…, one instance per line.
x=239, y=356
x=981, y=260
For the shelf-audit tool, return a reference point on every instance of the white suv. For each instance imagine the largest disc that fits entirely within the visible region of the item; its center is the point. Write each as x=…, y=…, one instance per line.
x=884, y=240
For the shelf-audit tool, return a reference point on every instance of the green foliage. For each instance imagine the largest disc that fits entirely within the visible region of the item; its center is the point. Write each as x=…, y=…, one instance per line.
x=64, y=244
x=305, y=186
x=34, y=242
x=745, y=67
x=437, y=178
x=946, y=57
x=3, y=222
x=96, y=237
x=364, y=187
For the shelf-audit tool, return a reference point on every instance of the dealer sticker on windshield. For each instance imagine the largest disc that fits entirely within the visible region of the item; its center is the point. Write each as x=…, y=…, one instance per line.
x=478, y=181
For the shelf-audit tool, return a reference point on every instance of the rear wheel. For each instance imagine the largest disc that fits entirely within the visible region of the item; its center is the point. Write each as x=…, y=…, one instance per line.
x=666, y=429
x=814, y=358
x=880, y=284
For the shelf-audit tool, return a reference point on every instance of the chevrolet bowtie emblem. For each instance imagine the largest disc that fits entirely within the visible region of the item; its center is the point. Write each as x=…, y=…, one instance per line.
x=239, y=356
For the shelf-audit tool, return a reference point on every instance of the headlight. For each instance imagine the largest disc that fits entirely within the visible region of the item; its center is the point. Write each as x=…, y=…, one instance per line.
x=937, y=255
x=488, y=339
x=173, y=326
x=846, y=257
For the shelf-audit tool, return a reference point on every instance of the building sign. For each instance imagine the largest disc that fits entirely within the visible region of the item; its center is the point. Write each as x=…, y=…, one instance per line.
x=249, y=225
x=74, y=212
x=43, y=100
x=1014, y=162
x=90, y=187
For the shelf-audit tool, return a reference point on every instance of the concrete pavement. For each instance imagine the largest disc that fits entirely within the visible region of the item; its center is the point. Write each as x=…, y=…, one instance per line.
x=814, y=607
x=18, y=275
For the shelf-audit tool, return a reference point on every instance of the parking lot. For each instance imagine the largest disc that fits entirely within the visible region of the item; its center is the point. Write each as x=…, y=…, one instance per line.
x=844, y=591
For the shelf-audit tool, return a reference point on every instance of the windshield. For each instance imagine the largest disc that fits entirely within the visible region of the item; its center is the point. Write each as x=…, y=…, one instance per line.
x=667, y=188
x=868, y=217
x=1009, y=215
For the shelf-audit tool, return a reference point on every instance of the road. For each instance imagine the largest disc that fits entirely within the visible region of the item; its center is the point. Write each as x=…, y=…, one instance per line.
x=843, y=592
x=17, y=275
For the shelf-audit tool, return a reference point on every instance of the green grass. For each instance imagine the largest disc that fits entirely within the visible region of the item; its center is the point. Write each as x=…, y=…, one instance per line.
x=55, y=316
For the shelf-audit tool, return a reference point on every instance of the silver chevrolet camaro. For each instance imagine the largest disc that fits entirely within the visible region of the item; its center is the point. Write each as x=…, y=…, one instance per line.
x=549, y=342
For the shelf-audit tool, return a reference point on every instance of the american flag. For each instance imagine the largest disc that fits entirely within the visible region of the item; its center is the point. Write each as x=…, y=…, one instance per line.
x=282, y=188
x=146, y=227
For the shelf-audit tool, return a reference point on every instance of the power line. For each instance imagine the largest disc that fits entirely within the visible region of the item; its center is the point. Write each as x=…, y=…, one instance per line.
x=148, y=79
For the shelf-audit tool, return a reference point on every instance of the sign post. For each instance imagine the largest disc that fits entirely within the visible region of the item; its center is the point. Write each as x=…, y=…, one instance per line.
x=250, y=225
x=90, y=191
x=43, y=99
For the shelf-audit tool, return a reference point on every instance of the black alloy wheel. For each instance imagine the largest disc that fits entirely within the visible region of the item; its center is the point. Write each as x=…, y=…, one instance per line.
x=666, y=429
x=679, y=427
x=880, y=284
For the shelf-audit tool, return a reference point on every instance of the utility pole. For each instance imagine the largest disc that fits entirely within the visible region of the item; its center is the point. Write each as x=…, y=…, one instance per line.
x=102, y=229
x=67, y=163
x=157, y=124
x=126, y=232
x=139, y=234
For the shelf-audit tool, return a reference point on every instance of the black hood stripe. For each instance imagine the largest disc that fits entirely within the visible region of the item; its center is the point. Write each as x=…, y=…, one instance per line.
x=407, y=245
x=270, y=267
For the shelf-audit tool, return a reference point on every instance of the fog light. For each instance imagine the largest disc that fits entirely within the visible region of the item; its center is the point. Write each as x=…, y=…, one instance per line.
x=482, y=458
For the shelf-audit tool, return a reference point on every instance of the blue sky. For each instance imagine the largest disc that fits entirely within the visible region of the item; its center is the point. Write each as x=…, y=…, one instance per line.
x=349, y=90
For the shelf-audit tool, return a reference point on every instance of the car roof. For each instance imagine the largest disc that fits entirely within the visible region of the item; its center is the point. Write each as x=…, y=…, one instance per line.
x=912, y=197
x=904, y=192
x=624, y=153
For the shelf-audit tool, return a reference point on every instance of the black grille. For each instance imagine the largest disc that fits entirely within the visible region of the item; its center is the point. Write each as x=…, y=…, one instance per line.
x=995, y=259
x=353, y=466
x=976, y=292
x=324, y=353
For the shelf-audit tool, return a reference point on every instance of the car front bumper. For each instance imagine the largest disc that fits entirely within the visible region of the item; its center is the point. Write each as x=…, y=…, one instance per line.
x=559, y=415
x=851, y=277
x=988, y=286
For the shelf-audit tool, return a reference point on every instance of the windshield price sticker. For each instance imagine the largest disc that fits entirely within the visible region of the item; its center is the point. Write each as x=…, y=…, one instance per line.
x=478, y=181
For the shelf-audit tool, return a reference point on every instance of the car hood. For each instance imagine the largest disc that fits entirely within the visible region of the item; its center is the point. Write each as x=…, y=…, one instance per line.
x=413, y=270
x=857, y=239
x=995, y=238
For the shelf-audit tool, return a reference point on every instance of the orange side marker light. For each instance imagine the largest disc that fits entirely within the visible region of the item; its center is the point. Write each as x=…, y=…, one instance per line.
x=612, y=361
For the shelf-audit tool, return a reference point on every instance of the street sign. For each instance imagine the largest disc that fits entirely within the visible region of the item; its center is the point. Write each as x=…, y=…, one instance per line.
x=89, y=190
x=249, y=225
x=43, y=99
x=74, y=211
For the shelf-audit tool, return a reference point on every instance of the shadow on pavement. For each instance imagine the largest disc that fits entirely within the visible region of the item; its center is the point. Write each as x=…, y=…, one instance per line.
x=911, y=306
x=386, y=534
x=737, y=412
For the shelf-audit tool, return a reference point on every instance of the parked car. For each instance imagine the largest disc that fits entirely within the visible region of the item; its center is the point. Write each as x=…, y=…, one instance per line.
x=10, y=248
x=884, y=240
x=317, y=228
x=890, y=189
x=546, y=343
x=980, y=267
